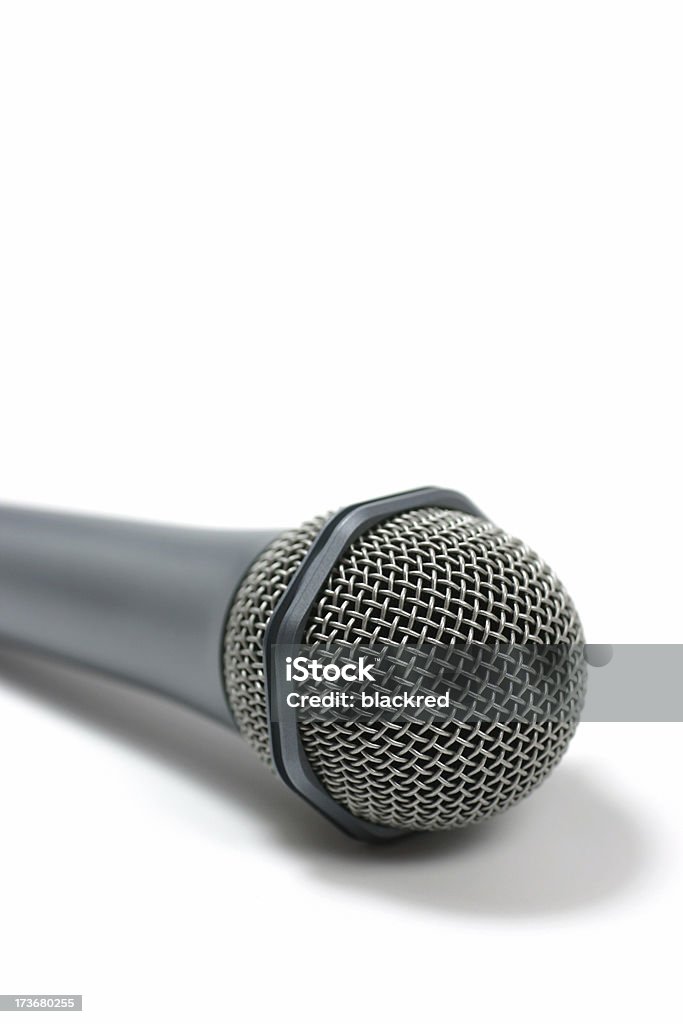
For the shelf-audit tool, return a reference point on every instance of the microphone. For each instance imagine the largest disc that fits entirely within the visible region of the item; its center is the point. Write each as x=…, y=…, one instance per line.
x=422, y=579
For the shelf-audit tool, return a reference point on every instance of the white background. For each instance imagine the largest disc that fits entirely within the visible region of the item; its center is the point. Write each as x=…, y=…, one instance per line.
x=259, y=260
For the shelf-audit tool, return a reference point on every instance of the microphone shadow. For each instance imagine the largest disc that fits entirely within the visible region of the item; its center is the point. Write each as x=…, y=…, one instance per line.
x=568, y=847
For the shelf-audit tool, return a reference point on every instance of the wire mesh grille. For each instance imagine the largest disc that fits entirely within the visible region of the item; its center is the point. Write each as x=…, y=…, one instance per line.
x=429, y=576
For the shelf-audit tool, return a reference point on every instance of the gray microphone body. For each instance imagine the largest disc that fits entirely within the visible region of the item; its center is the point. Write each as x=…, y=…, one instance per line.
x=200, y=615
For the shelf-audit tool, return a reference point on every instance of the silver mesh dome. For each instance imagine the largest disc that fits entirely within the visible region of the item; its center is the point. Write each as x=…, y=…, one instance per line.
x=431, y=575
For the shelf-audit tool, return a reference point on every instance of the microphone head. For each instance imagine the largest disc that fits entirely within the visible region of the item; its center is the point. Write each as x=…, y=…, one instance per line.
x=426, y=576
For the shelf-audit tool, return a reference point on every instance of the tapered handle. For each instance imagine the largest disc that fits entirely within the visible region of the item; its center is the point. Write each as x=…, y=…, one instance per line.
x=141, y=602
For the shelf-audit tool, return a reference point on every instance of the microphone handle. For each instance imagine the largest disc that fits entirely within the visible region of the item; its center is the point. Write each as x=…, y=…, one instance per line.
x=141, y=602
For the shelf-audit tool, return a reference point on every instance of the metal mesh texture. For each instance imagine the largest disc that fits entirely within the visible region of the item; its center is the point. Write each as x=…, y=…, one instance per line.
x=427, y=576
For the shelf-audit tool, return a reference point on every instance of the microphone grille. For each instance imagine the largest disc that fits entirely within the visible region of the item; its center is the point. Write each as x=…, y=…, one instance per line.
x=252, y=607
x=429, y=575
